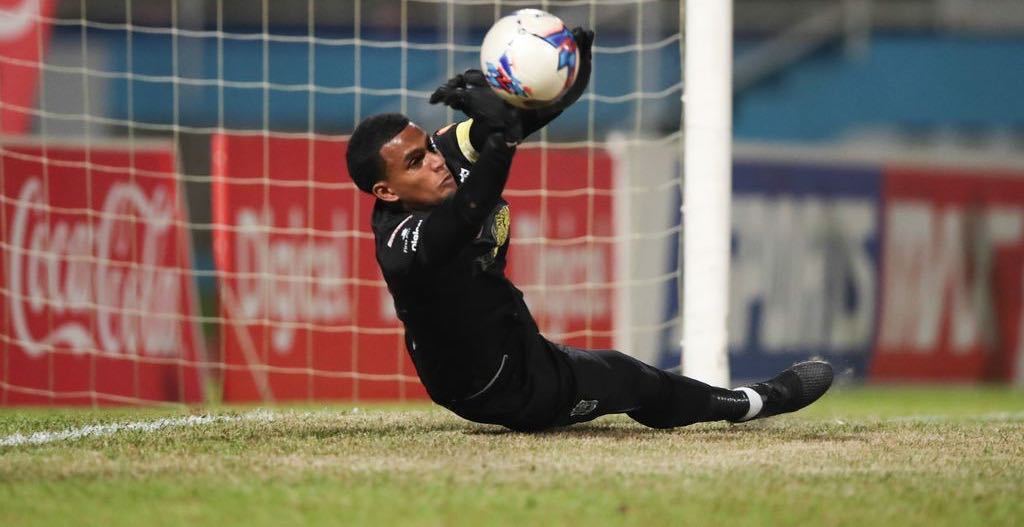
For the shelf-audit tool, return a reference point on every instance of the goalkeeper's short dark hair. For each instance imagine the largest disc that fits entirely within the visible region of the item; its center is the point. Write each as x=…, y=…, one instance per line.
x=365, y=165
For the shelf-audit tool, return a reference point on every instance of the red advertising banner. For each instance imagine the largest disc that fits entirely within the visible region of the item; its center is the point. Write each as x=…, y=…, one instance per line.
x=952, y=263
x=99, y=304
x=562, y=253
x=24, y=35
x=306, y=313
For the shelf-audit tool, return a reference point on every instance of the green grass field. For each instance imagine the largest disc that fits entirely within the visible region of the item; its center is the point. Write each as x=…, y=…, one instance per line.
x=922, y=456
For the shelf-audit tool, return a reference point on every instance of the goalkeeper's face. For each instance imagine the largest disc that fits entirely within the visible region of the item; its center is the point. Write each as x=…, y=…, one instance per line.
x=415, y=174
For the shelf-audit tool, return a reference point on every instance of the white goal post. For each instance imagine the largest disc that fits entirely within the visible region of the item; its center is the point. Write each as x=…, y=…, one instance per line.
x=707, y=183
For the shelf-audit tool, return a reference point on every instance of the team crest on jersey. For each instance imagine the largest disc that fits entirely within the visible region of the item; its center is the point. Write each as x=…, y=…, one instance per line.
x=494, y=237
x=499, y=229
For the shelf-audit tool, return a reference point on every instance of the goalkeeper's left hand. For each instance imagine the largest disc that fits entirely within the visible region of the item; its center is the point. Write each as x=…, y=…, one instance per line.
x=584, y=43
x=536, y=119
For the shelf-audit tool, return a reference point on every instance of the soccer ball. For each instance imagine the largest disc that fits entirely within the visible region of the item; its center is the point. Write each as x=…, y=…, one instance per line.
x=529, y=58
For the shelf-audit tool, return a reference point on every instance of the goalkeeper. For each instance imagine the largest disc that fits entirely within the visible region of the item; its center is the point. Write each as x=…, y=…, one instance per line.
x=442, y=234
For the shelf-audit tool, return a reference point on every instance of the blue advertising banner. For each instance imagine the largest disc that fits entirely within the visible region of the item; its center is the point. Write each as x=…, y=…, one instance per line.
x=805, y=260
x=804, y=277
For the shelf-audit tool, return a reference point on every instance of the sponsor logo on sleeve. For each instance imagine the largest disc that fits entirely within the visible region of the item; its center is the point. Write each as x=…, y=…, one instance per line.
x=398, y=229
x=411, y=237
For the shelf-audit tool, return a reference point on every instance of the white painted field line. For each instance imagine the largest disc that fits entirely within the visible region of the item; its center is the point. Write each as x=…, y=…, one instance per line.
x=71, y=434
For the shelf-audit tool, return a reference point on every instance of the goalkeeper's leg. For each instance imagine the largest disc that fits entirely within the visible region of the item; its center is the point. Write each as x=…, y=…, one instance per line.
x=608, y=382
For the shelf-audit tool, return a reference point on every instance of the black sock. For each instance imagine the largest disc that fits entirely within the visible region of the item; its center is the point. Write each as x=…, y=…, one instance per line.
x=686, y=401
x=729, y=405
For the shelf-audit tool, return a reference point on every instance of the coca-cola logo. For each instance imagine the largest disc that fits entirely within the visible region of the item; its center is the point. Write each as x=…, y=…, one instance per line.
x=102, y=282
x=290, y=279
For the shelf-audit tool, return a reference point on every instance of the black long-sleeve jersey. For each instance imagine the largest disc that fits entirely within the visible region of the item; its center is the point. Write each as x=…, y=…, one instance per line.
x=445, y=269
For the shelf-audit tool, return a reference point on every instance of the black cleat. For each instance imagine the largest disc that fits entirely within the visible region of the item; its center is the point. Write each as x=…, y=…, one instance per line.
x=791, y=390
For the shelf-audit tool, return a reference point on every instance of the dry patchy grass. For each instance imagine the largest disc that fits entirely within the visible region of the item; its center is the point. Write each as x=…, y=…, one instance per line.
x=835, y=465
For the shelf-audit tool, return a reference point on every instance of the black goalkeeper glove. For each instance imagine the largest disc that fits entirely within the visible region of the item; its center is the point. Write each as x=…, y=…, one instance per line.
x=584, y=43
x=470, y=93
x=537, y=119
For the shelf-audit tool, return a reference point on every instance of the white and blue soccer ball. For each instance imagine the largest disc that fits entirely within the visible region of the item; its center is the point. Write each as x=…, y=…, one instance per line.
x=529, y=58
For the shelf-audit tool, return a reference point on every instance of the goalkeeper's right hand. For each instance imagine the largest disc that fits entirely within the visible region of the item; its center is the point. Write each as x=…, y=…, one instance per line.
x=470, y=93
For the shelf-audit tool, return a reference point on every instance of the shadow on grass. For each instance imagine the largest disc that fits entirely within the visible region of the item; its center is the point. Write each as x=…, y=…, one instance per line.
x=615, y=427
x=715, y=432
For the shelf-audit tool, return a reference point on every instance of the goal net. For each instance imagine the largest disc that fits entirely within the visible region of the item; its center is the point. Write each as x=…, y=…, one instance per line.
x=178, y=225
